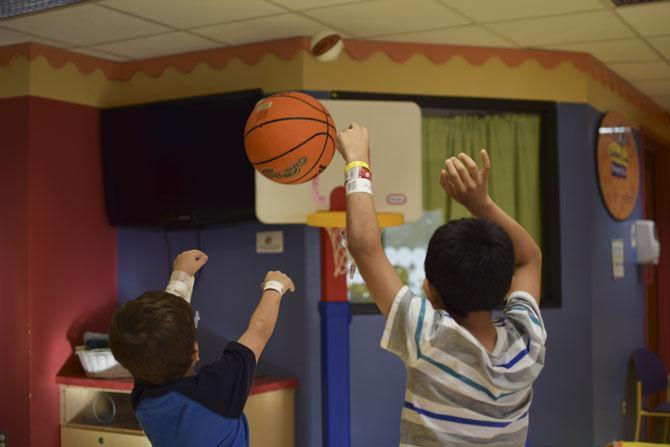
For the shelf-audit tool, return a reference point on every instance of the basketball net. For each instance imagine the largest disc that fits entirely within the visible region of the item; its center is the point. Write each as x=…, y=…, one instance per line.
x=338, y=240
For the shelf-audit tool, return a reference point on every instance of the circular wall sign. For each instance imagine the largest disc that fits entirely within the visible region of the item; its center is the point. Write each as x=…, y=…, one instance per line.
x=618, y=166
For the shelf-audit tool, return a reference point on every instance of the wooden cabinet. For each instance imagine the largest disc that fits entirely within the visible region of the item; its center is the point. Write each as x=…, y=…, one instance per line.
x=84, y=437
x=87, y=405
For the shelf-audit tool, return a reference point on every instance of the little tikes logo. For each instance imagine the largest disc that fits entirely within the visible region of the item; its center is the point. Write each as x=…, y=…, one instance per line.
x=289, y=172
x=396, y=199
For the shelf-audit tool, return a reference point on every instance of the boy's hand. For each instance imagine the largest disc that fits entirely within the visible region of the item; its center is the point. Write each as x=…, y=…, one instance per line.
x=282, y=278
x=353, y=144
x=465, y=182
x=189, y=261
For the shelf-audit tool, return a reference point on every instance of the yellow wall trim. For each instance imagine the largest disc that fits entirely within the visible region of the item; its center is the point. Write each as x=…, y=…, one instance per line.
x=39, y=70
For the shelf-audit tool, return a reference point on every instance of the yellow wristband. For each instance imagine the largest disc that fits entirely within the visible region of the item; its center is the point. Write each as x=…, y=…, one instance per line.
x=354, y=164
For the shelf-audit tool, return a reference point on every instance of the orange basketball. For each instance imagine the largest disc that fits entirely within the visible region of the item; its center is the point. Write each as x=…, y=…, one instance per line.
x=290, y=137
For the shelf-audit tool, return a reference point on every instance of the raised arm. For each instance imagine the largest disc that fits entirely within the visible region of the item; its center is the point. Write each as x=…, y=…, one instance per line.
x=264, y=318
x=467, y=184
x=184, y=268
x=363, y=236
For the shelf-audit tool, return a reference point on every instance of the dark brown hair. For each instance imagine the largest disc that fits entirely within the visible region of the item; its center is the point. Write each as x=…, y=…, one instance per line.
x=153, y=336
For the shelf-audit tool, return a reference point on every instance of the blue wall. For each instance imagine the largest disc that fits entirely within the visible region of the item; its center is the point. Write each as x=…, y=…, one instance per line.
x=227, y=292
x=618, y=310
x=577, y=398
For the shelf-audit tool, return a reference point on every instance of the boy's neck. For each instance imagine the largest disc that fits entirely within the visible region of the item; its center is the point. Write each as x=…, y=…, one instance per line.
x=480, y=325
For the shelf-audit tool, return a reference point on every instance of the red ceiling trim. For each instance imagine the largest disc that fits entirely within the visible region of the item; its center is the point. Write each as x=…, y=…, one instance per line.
x=439, y=54
x=359, y=50
x=250, y=54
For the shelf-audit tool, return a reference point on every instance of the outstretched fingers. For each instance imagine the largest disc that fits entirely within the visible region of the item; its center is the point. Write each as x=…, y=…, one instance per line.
x=452, y=176
x=471, y=166
x=486, y=163
x=466, y=178
x=446, y=184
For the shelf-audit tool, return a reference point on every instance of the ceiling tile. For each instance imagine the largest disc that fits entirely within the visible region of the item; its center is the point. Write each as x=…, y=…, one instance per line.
x=613, y=50
x=462, y=35
x=648, y=19
x=662, y=44
x=584, y=27
x=256, y=30
x=653, y=88
x=640, y=71
x=482, y=11
x=189, y=14
x=153, y=46
x=100, y=54
x=84, y=25
x=9, y=37
x=297, y=5
x=381, y=17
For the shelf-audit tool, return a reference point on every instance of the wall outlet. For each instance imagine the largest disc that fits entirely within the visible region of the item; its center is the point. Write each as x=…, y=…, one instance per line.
x=623, y=407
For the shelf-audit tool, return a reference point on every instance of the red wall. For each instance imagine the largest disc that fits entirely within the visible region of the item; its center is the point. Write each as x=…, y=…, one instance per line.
x=70, y=249
x=14, y=411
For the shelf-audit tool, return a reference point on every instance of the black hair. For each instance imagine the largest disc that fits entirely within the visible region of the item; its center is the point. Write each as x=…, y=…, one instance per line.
x=470, y=263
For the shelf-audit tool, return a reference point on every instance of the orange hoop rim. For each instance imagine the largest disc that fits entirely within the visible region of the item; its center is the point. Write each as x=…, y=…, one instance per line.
x=338, y=219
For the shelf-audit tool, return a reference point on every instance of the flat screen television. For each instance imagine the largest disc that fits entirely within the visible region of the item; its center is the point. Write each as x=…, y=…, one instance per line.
x=179, y=163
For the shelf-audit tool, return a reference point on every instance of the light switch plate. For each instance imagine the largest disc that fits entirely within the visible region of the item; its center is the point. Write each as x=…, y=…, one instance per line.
x=618, y=271
x=270, y=242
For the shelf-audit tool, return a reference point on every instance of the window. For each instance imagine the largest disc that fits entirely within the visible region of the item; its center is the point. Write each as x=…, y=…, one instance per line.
x=528, y=189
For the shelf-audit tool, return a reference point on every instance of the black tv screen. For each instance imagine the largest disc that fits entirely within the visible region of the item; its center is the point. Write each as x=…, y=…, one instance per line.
x=180, y=162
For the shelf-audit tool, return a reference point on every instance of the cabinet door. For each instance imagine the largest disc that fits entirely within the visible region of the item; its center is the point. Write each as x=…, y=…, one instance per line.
x=80, y=437
x=271, y=419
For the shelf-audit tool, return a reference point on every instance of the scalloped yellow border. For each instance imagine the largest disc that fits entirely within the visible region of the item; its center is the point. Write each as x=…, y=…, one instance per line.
x=31, y=69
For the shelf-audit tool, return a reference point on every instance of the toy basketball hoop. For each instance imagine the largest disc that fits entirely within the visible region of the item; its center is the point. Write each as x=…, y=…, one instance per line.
x=334, y=223
x=396, y=127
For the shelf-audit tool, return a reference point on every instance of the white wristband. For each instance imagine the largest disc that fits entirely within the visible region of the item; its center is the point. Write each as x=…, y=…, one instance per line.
x=274, y=285
x=359, y=185
x=357, y=172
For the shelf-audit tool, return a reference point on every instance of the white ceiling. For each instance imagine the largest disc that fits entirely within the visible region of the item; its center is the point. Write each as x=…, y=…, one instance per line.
x=634, y=41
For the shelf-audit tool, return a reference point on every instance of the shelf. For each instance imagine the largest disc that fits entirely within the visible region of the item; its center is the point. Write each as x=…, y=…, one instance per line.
x=72, y=374
x=108, y=428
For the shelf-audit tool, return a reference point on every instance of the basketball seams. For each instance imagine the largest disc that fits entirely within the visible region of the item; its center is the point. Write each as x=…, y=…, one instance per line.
x=257, y=163
x=286, y=118
x=323, y=150
x=297, y=98
x=300, y=155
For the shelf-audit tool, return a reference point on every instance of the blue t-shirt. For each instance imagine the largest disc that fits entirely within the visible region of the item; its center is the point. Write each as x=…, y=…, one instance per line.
x=202, y=410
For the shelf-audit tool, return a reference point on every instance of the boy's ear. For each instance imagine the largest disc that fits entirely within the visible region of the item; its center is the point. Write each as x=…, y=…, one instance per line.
x=432, y=295
x=426, y=289
x=196, y=353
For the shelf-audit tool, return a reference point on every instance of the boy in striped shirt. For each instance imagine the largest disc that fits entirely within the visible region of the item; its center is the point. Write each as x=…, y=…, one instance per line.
x=469, y=379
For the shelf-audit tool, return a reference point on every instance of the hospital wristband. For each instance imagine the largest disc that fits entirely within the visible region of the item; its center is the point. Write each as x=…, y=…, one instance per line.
x=358, y=172
x=353, y=164
x=274, y=285
x=359, y=185
x=181, y=284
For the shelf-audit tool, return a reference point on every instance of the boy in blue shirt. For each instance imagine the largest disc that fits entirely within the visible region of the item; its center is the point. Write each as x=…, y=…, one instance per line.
x=154, y=337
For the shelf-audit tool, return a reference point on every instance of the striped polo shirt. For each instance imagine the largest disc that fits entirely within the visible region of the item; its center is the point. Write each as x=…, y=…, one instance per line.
x=458, y=393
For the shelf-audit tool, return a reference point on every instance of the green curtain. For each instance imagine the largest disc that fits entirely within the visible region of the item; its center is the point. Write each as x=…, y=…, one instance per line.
x=513, y=143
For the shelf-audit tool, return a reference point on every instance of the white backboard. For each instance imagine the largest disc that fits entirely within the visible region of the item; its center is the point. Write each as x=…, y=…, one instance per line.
x=395, y=152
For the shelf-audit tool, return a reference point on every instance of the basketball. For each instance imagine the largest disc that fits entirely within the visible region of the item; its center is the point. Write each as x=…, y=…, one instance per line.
x=290, y=137
x=327, y=46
